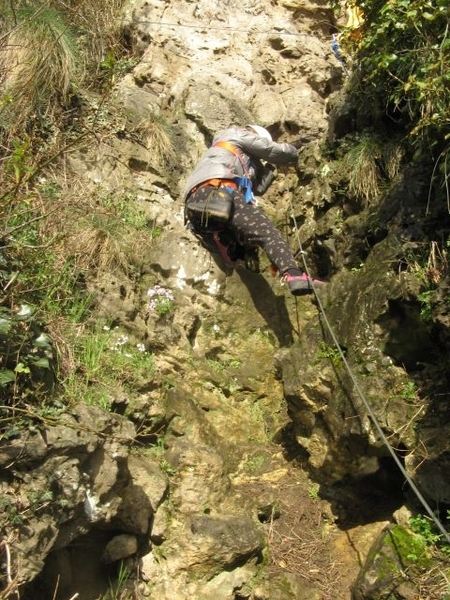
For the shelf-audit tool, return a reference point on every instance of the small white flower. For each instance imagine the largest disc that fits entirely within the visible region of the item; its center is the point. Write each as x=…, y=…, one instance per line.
x=158, y=295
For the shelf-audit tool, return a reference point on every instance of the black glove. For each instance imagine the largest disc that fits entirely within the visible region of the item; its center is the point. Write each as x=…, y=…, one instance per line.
x=306, y=137
x=297, y=144
x=264, y=179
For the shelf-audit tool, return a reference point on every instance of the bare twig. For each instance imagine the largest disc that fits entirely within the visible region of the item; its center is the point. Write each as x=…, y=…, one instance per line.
x=11, y=587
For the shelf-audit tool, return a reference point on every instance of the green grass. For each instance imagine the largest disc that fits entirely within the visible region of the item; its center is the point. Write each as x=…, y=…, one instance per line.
x=105, y=358
x=118, y=588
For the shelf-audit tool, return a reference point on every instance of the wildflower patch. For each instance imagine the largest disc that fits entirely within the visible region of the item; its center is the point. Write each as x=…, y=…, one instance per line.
x=160, y=300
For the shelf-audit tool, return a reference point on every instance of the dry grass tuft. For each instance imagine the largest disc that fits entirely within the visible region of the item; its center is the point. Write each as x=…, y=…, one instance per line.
x=98, y=249
x=10, y=578
x=92, y=230
x=437, y=263
x=46, y=49
x=429, y=262
x=156, y=139
x=434, y=584
x=368, y=164
x=38, y=60
x=98, y=20
x=365, y=176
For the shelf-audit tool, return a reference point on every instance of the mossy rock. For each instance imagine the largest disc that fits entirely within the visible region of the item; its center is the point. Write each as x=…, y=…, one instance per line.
x=395, y=551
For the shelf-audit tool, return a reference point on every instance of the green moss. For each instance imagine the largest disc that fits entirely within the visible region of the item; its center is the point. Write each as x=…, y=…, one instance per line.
x=396, y=549
x=410, y=548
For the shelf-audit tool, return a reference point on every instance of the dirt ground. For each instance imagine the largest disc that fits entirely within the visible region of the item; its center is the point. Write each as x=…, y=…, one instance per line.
x=321, y=534
x=306, y=540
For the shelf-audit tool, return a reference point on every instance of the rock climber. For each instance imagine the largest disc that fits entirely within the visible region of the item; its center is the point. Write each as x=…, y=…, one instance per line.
x=337, y=50
x=220, y=195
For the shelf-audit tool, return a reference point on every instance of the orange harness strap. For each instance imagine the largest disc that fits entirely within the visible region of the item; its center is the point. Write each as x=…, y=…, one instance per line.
x=228, y=146
x=216, y=183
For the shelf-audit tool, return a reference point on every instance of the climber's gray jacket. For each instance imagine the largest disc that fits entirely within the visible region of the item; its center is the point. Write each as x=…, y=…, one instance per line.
x=219, y=163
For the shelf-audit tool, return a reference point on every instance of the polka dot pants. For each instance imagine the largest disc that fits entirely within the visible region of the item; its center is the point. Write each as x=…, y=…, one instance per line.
x=252, y=226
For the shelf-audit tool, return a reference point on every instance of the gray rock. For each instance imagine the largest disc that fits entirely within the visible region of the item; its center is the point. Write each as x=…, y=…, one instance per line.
x=120, y=547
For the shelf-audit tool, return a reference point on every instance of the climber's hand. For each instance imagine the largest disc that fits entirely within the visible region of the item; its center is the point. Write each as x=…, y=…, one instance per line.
x=297, y=144
x=306, y=137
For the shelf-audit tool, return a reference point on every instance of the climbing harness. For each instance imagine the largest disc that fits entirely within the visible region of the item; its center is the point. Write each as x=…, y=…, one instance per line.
x=217, y=205
x=211, y=207
x=210, y=212
x=370, y=412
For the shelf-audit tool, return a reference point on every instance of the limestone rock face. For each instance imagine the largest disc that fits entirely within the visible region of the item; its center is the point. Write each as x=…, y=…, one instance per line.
x=80, y=473
x=206, y=69
x=182, y=482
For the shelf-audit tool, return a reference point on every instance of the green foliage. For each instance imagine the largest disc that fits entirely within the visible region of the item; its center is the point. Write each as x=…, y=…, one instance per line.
x=424, y=526
x=50, y=237
x=10, y=515
x=313, y=491
x=105, y=358
x=222, y=366
x=163, y=306
x=41, y=270
x=426, y=310
x=157, y=452
x=26, y=356
x=19, y=161
x=161, y=301
x=77, y=305
x=126, y=210
x=255, y=463
x=113, y=67
x=404, y=59
x=17, y=506
x=329, y=353
x=41, y=277
x=410, y=549
x=409, y=391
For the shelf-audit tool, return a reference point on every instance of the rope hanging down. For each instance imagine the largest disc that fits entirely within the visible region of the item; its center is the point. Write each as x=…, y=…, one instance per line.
x=370, y=412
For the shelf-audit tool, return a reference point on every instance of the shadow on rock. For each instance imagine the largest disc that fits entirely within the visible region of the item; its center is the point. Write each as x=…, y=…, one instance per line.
x=272, y=308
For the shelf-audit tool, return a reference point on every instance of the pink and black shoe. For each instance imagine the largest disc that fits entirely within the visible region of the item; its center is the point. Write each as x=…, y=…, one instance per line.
x=301, y=284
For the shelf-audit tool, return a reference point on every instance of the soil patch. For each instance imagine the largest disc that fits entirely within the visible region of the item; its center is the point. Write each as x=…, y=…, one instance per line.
x=306, y=541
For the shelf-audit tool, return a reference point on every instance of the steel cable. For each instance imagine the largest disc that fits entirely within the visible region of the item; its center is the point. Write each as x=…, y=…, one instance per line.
x=370, y=412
